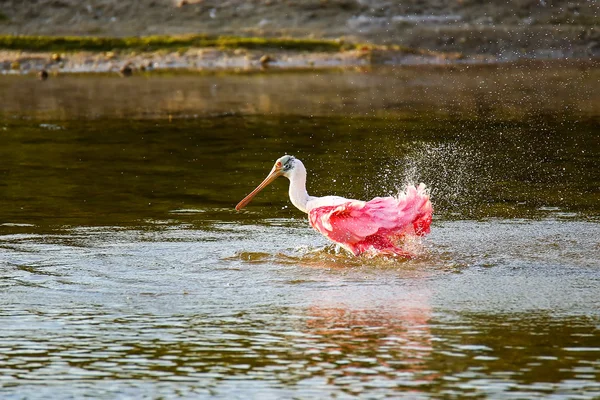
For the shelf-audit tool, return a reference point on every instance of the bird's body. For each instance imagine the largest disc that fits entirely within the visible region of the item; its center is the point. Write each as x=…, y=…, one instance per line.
x=377, y=226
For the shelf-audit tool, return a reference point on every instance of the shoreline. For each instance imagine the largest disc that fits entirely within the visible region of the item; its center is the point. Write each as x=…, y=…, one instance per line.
x=559, y=28
x=53, y=55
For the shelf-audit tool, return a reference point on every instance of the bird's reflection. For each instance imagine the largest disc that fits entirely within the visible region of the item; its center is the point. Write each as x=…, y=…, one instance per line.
x=373, y=336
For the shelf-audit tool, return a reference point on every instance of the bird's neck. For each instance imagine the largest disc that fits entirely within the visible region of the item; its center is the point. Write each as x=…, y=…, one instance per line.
x=298, y=194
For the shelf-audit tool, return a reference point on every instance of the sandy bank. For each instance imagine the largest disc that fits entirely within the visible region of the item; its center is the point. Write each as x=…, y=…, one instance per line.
x=507, y=30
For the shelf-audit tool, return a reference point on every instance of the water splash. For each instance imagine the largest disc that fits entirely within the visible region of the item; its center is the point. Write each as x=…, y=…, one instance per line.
x=457, y=175
x=332, y=256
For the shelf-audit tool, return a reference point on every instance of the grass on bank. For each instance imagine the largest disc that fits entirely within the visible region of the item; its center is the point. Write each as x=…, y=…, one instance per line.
x=152, y=43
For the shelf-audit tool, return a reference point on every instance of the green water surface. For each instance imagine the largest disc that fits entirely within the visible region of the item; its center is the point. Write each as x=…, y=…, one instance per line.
x=126, y=273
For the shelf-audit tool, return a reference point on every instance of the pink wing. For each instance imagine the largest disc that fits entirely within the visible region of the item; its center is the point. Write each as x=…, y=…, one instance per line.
x=376, y=225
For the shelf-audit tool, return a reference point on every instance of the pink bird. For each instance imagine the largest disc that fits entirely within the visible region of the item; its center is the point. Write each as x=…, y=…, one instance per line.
x=375, y=227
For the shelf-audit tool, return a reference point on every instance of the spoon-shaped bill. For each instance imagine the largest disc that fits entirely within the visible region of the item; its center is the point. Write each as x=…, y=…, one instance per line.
x=274, y=174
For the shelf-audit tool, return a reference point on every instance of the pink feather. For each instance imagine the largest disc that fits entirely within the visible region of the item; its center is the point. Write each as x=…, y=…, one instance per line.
x=378, y=225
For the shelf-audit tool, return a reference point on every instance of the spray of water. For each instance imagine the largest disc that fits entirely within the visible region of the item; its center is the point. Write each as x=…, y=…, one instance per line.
x=457, y=176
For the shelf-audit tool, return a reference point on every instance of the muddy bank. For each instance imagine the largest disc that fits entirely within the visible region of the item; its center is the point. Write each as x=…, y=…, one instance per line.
x=518, y=29
x=126, y=63
x=238, y=55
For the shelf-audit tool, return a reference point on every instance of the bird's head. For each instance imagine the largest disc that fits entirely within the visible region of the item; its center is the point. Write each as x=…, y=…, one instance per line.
x=283, y=167
x=286, y=164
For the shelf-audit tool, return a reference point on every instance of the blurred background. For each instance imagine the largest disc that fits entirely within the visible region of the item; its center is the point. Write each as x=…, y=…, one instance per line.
x=532, y=28
x=130, y=129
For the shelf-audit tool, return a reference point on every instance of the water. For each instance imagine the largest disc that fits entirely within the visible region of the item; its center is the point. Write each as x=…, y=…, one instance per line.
x=126, y=273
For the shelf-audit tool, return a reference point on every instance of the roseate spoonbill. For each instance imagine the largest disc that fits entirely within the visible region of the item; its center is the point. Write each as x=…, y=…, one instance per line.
x=376, y=227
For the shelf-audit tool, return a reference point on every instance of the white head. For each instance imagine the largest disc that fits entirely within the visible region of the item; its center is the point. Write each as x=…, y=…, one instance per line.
x=284, y=166
x=287, y=164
